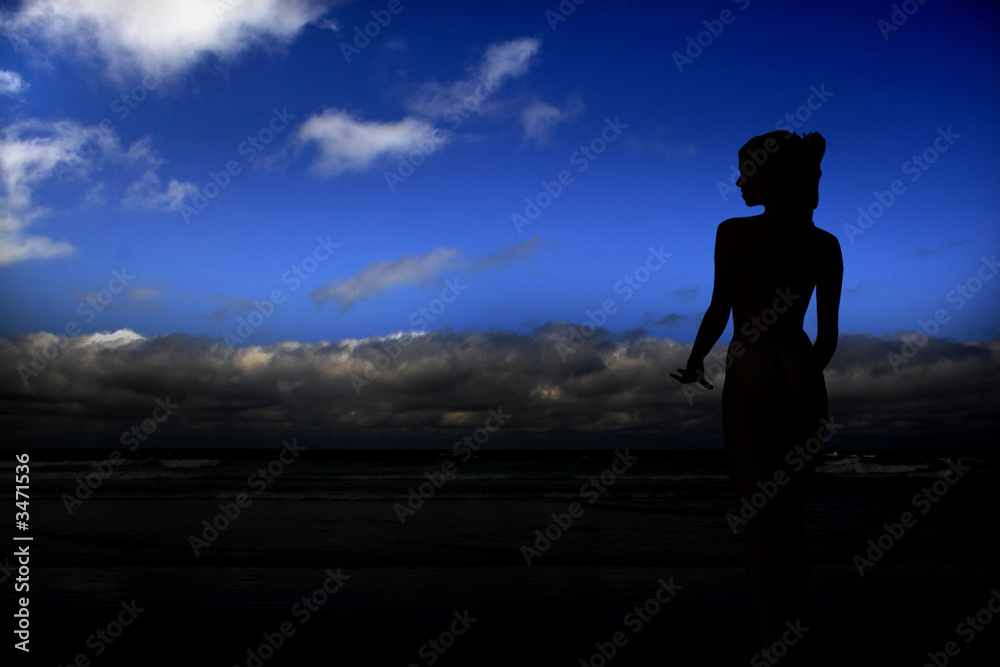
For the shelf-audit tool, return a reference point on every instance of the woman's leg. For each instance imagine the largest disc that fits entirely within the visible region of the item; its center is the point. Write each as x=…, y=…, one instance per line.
x=766, y=414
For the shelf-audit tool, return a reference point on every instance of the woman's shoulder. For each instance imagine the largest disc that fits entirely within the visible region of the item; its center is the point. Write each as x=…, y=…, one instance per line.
x=734, y=225
x=827, y=239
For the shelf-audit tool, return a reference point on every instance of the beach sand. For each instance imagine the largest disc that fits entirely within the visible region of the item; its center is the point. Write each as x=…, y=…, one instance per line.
x=542, y=615
x=454, y=573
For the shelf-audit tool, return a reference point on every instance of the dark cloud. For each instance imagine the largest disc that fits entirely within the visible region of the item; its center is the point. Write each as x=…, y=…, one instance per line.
x=925, y=252
x=672, y=319
x=869, y=286
x=235, y=304
x=431, y=389
x=686, y=292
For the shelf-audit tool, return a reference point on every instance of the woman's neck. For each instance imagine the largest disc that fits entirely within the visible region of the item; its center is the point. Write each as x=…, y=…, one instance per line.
x=785, y=215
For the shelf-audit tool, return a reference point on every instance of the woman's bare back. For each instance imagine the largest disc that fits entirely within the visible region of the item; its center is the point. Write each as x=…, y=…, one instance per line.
x=774, y=395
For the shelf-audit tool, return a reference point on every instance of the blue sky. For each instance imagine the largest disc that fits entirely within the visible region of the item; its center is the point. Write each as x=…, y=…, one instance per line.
x=882, y=101
x=115, y=116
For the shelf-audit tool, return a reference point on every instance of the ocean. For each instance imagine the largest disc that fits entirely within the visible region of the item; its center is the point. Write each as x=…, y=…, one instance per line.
x=254, y=557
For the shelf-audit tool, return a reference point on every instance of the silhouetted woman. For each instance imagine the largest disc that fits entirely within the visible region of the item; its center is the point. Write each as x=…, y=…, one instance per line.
x=766, y=268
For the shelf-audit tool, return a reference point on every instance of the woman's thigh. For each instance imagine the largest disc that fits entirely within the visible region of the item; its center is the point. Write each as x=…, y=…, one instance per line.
x=771, y=403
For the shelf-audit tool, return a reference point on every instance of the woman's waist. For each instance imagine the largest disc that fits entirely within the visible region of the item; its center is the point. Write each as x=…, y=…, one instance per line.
x=774, y=334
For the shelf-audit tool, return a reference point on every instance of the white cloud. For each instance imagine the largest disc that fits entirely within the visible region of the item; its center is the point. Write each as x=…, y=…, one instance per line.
x=148, y=193
x=519, y=251
x=673, y=149
x=539, y=119
x=146, y=297
x=34, y=151
x=502, y=61
x=508, y=59
x=381, y=275
x=145, y=293
x=131, y=36
x=15, y=246
x=348, y=144
x=11, y=83
x=421, y=270
x=95, y=196
x=329, y=24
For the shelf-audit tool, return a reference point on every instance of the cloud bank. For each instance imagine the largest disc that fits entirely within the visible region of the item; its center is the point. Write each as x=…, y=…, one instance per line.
x=430, y=389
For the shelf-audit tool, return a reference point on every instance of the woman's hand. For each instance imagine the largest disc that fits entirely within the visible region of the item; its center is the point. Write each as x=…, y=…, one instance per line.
x=693, y=373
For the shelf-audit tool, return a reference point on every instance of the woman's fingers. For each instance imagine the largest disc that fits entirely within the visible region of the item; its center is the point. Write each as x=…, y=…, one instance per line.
x=685, y=376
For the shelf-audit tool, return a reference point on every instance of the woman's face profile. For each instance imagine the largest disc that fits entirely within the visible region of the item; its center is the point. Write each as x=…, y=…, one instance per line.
x=750, y=182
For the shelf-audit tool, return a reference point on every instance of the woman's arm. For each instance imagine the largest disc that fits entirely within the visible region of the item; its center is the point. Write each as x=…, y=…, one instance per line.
x=717, y=316
x=828, y=304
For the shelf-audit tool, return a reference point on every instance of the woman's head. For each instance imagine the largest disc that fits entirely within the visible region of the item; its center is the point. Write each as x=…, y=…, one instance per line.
x=782, y=168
